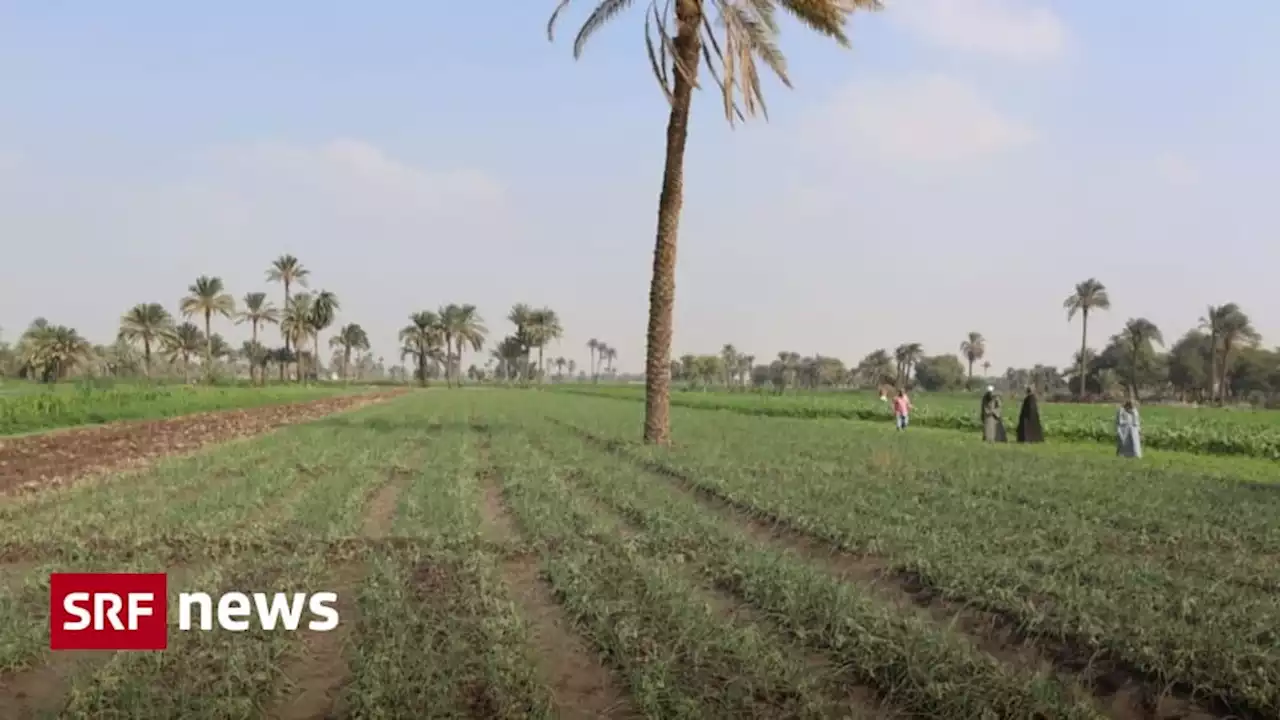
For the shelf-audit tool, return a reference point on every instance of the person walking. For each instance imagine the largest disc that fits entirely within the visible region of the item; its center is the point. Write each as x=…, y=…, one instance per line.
x=992, y=424
x=1128, y=431
x=1029, y=429
x=901, y=409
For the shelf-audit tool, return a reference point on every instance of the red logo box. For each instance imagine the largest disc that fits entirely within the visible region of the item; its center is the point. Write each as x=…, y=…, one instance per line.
x=108, y=611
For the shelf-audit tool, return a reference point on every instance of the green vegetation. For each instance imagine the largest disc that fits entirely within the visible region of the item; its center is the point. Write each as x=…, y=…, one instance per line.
x=1253, y=433
x=29, y=409
x=513, y=554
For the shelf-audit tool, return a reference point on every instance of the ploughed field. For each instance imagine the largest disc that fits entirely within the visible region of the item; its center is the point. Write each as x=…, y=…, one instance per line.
x=1213, y=431
x=513, y=554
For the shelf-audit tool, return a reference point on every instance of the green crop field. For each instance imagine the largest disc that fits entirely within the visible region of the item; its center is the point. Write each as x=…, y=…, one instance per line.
x=1253, y=433
x=28, y=407
x=508, y=554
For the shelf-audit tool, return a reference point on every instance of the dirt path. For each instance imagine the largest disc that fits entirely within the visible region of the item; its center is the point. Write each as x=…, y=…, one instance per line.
x=1118, y=692
x=34, y=462
x=319, y=674
x=581, y=686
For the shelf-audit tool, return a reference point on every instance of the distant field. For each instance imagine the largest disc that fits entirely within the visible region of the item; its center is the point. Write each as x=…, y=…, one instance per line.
x=1254, y=433
x=29, y=408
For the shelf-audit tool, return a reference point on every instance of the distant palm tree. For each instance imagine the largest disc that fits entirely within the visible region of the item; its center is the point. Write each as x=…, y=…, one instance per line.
x=324, y=308
x=1137, y=337
x=521, y=316
x=1229, y=327
x=295, y=325
x=146, y=323
x=592, y=346
x=207, y=299
x=544, y=326
x=184, y=341
x=50, y=352
x=973, y=349
x=559, y=364
x=257, y=311
x=746, y=33
x=288, y=271
x=350, y=337
x=1089, y=295
x=462, y=326
x=422, y=339
x=986, y=368
x=907, y=356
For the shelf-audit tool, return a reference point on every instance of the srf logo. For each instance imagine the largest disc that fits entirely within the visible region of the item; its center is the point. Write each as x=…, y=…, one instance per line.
x=108, y=611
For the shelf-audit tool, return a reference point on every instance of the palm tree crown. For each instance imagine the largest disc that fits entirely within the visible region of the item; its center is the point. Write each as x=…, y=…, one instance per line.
x=146, y=323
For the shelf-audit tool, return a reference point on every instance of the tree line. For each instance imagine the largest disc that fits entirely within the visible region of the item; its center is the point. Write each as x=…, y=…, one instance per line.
x=152, y=342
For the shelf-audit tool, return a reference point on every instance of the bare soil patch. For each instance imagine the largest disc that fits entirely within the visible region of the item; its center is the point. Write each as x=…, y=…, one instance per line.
x=319, y=674
x=34, y=462
x=581, y=686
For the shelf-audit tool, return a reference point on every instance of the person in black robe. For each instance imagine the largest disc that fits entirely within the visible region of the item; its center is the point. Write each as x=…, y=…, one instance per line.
x=1029, y=429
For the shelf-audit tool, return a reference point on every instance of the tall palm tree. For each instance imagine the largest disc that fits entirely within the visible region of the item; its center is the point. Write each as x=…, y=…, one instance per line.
x=592, y=346
x=462, y=326
x=324, y=307
x=746, y=32
x=207, y=299
x=422, y=339
x=1137, y=337
x=544, y=327
x=907, y=356
x=146, y=323
x=182, y=342
x=288, y=271
x=257, y=311
x=350, y=337
x=973, y=349
x=1229, y=328
x=295, y=325
x=1089, y=295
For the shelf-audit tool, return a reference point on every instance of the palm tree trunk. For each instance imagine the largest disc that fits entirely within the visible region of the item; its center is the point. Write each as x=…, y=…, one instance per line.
x=346, y=362
x=1213, y=366
x=286, y=307
x=541, y=370
x=146, y=356
x=1084, y=357
x=662, y=289
x=253, y=362
x=1222, y=371
x=208, y=345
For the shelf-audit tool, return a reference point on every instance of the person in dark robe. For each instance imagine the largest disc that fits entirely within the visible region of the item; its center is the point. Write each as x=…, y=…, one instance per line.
x=1029, y=429
x=992, y=423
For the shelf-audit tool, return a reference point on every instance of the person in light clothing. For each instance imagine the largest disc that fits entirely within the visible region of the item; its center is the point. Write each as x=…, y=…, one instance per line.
x=901, y=409
x=1128, y=431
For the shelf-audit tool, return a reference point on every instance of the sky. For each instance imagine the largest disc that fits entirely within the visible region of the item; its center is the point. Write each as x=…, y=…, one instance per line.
x=958, y=169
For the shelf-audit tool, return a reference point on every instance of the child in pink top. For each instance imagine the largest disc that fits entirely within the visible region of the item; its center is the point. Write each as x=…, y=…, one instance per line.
x=901, y=409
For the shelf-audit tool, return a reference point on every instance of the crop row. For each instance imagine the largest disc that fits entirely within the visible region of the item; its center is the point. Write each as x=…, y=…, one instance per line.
x=57, y=408
x=1206, y=431
x=1164, y=574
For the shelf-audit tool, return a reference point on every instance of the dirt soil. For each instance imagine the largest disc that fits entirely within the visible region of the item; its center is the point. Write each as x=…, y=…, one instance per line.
x=34, y=462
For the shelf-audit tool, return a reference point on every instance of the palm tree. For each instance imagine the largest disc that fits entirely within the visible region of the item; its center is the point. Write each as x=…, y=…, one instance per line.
x=350, y=337
x=288, y=271
x=50, y=352
x=207, y=298
x=986, y=368
x=324, y=306
x=145, y=323
x=907, y=356
x=1229, y=327
x=295, y=325
x=1089, y=295
x=182, y=342
x=462, y=326
x=559, y=364
x=521, y=316
x=593, y=345
x=544, y=326
x=745, y=32
x=1137, y=337
x=257, y=311
x=422, y=339
x=973, y=349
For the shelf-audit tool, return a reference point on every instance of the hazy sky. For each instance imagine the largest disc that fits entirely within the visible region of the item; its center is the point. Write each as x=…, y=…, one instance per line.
x=960, y=169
